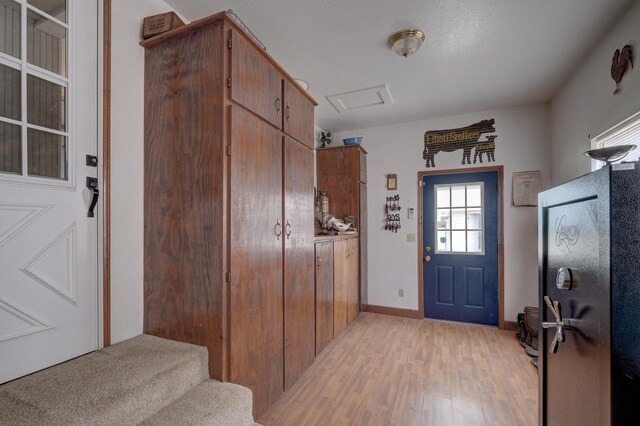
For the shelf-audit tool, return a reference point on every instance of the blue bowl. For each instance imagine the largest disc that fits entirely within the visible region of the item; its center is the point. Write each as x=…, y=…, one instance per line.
x=352, y=141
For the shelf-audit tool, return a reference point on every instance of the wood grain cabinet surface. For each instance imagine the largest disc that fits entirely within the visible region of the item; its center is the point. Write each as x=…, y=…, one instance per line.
x=342, y=172
x=228, y=235
x=324, y=295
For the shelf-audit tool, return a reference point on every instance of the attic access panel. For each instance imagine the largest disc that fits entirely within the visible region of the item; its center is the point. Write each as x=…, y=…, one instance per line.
x=361, y=98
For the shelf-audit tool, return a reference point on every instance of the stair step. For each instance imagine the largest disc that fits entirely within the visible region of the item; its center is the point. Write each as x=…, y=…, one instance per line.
x=123, y=384
x=209, y=403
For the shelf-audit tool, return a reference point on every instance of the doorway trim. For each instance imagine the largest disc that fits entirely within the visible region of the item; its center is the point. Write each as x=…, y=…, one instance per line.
x=500, y=171
x=105, y=125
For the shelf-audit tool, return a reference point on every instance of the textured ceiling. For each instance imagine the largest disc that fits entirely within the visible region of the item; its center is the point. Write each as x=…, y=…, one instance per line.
x=479, y=54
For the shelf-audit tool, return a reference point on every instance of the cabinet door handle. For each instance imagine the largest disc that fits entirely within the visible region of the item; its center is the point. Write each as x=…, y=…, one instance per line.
x=287, y=231
x=277, y=229
x=319, y=263
x=277, y=105
x=287, y=112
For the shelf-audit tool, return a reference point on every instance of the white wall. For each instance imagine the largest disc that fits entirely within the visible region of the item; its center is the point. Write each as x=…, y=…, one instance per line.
x=522, y=144
x=127, y=146
x=586, y=106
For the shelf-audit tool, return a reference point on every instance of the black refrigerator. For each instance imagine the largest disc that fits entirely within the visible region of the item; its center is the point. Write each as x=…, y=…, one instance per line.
x=589, y=272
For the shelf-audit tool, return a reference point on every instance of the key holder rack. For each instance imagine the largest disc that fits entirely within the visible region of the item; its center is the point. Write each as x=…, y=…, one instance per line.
x=392, y=212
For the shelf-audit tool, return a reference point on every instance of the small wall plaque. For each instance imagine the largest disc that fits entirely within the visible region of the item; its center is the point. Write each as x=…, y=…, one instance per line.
x=158, y=24
x=392, y=182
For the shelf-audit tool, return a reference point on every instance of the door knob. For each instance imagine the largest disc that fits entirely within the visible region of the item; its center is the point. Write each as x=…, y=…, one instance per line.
x=427, y=258
x=428, y=248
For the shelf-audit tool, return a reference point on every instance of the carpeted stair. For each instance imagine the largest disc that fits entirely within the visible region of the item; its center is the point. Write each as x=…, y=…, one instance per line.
x=145, y=380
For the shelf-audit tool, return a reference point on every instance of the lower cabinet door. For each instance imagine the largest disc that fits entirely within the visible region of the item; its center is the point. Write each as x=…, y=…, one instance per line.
x=340, y=268
x=256, y=235
x=324, y=295
x=353, y=305
x=299, y=305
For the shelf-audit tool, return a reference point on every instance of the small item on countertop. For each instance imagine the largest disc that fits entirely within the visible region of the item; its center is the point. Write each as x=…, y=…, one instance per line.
x=323, y=200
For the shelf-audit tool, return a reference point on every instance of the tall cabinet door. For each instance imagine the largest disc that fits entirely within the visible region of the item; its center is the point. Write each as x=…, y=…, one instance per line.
x=256, y=235
x=299, y=306
x=340, y=267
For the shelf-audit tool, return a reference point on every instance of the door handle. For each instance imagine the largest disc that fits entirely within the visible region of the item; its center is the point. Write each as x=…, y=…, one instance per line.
x=427, y=258
x=559, y=324
x=92, y=184
x=277, y=105
x=277, y=229
x=287, y=112
x=287, y=231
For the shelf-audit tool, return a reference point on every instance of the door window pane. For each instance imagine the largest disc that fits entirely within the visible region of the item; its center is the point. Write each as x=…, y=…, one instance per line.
x=474, y=195
x=46, y=104
x=55, y=8
x=474, y=241
x=443, y=195
x=10, y=28
x=46, y=44
x=47, y=154
x=458, y=219
x=9, y=93
x=443, y=221
x=458, y=196
x=443, y=242
x=458, y=241
x=10, y=148
x=474, y=218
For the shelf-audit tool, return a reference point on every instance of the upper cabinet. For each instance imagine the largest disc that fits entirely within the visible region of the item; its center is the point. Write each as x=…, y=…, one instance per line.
x=298, y=115
x=255, y=83
x=258, y=86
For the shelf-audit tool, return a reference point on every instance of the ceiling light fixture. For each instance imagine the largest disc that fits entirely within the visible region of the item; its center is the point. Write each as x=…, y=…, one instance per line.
x=406, y=42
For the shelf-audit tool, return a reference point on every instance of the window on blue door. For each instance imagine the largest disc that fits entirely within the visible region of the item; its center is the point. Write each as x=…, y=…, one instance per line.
x=459, y=224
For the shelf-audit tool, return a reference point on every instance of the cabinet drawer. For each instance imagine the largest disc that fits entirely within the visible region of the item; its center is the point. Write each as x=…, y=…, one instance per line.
x=298, y=115
x=255, y=83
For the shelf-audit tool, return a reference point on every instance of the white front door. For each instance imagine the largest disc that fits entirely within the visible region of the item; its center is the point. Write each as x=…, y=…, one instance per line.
x=48, y=124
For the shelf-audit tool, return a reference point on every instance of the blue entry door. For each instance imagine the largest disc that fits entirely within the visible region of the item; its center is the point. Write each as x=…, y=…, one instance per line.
x=460, y=247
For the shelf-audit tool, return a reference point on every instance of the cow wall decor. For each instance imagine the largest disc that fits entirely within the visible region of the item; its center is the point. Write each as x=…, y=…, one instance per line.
x=464, y=138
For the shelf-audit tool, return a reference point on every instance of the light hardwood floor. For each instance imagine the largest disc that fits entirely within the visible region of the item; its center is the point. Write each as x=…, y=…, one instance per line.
x=386, y=370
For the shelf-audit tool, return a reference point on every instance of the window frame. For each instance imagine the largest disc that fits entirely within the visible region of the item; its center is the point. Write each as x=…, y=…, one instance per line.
x=466, y=229
x=600, y=141
x=25, y=68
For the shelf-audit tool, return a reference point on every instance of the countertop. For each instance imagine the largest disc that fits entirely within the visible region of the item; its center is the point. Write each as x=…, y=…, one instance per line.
x=325, y=238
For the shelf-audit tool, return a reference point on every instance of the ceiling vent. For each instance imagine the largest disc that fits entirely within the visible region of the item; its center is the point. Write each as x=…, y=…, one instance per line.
x=361, y=98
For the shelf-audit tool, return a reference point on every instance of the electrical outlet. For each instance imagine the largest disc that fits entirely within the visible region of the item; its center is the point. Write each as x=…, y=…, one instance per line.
x=411, y=238
x=400, y=292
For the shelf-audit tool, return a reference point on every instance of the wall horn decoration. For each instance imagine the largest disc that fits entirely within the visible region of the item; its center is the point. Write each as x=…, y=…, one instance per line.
x=620, y=64
x=464, y=138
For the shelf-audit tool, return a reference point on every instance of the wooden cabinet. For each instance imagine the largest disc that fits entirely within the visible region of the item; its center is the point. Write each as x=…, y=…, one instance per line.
x=228, y=207
x=342, y=172
x=324, y=295
x=336, y=287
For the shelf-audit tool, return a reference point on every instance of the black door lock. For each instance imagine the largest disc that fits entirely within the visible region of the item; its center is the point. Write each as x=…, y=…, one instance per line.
x=92, y=183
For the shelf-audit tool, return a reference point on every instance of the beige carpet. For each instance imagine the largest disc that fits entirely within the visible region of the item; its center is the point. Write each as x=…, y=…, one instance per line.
x=127, y=384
